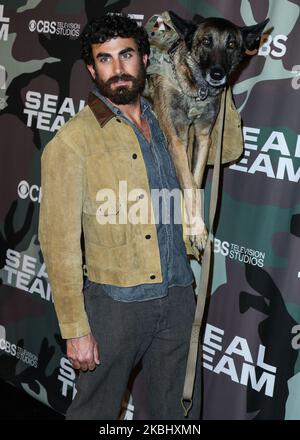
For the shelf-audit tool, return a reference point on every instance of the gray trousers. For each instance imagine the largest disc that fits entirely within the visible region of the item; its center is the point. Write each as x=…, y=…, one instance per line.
x=156, y=332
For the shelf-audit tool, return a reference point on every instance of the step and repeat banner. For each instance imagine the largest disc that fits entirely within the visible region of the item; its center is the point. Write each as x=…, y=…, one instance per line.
x=251, y=337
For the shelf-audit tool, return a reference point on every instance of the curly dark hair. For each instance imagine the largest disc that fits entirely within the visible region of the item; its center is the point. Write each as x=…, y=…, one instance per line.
x=110, y=26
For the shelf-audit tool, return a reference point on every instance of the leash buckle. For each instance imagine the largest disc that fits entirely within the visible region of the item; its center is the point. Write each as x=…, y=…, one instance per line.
x=203, y=92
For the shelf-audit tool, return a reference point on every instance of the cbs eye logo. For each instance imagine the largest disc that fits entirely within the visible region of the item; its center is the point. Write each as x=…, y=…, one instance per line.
x=32, y=25
x=23, y=189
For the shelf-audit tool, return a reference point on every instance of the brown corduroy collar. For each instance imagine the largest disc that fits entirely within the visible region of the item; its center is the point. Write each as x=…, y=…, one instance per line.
x=102, y=113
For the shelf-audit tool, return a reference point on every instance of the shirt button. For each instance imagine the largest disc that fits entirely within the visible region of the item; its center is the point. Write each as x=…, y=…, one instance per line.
x=152, y=277
x=134, y=156
x=148, y=236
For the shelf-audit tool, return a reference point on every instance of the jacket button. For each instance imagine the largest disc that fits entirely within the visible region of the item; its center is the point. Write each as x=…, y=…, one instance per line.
x=152, y=277
x=118, y=120
x=148, y=236
x=134, y=156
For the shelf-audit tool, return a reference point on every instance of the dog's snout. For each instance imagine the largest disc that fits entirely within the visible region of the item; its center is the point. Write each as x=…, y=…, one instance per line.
x=216, y=76
x=217, y=73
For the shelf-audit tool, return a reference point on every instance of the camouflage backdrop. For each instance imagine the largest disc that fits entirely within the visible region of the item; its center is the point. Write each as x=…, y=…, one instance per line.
x=251, y=340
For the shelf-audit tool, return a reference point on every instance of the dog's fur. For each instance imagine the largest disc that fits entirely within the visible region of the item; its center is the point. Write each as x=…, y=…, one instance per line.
x=206, y=54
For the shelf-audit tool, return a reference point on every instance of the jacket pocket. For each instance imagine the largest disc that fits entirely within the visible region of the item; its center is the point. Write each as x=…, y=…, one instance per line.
x=102, y=227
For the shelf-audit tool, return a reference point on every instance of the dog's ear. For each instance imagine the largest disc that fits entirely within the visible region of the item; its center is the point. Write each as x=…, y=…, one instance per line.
x=251, y=34
x=185, y=28
x=182, y=26
x=197, y=19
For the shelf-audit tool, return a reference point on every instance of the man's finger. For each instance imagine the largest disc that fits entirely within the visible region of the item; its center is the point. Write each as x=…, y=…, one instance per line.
x=75, y=364
x=92, y=365
x=96, y=354
x=84, y=366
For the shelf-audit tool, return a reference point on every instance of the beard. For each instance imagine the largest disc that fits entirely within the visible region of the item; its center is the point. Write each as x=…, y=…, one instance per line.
x=124, y=94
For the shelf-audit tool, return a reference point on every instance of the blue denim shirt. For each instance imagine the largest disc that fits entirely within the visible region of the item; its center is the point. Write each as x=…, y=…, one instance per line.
x=175, y=266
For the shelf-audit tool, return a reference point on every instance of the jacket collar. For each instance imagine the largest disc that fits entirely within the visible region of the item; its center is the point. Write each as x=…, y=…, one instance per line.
x=102, y=113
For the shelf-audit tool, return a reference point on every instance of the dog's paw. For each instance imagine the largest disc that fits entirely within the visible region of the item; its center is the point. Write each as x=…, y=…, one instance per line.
x=198, y=242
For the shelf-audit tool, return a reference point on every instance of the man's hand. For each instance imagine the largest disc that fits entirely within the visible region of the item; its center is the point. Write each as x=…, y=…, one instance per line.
x=83, y=352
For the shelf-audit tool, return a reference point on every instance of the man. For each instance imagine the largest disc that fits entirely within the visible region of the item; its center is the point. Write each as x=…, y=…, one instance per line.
x=137, y=302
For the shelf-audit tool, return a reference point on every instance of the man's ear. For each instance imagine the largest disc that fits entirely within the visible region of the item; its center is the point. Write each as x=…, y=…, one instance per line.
x=92, y=71
x=145, y=60
x=251, y=35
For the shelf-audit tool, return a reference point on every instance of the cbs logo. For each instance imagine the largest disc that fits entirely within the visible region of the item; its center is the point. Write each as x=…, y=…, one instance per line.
x=34, y=192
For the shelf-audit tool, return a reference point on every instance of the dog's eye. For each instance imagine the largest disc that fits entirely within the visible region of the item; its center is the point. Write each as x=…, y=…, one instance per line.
x=231, y=44
x=206, y=42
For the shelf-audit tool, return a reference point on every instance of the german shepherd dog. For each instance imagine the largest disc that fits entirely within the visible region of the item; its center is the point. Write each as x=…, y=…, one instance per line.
x=204, y=56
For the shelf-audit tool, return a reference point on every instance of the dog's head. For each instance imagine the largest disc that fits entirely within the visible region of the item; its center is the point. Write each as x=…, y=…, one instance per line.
x=217, y=45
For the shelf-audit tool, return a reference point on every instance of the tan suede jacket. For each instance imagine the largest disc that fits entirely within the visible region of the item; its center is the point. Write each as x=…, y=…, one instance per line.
x=92, y=151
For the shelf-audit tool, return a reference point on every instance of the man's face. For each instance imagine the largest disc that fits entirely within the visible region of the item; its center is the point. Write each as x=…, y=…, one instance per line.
x=118, y=70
